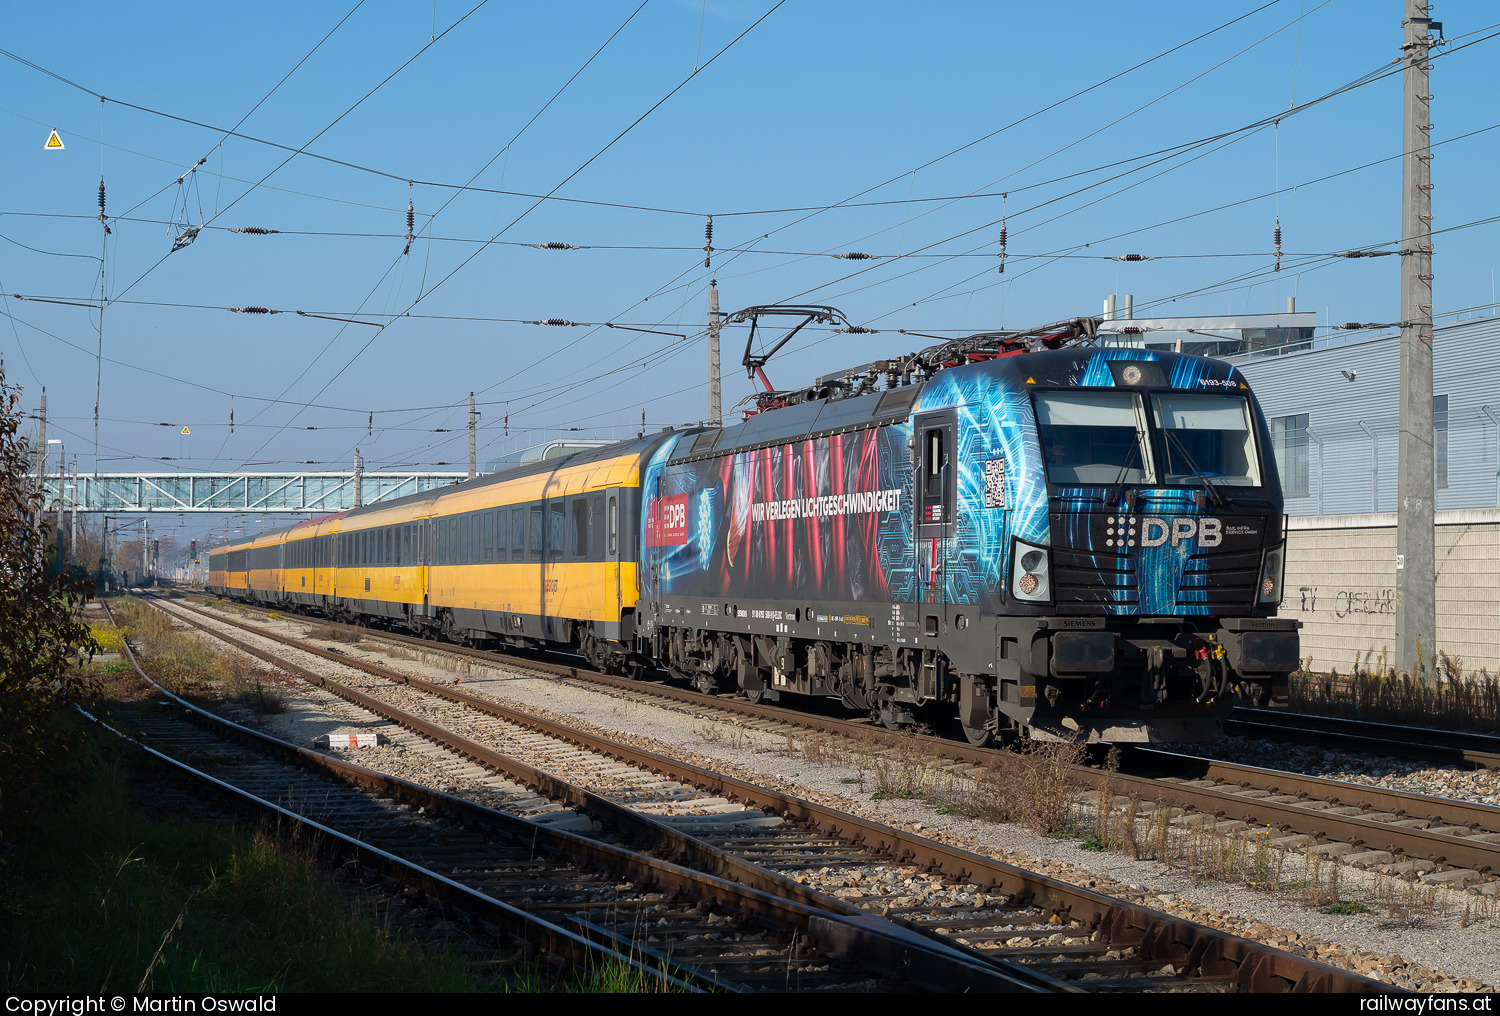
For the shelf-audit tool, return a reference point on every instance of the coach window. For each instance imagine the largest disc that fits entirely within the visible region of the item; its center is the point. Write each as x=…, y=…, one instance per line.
x=580, y=527
x=453, y=541
x=537, y=527
x=614, y=527
x=442, y=541
x=596, y=529
x=476, y=537
x=463, y=541
x=517, y=534
x=557, y=538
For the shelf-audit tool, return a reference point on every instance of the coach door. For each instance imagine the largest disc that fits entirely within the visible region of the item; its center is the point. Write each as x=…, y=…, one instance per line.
x=607, y=523
x=935, y=498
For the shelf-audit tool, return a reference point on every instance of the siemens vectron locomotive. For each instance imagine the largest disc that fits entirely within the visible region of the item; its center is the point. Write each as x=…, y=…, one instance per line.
x=1029, y=532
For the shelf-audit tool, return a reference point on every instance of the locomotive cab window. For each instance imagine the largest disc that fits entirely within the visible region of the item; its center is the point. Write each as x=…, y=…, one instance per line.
x=1207, y=436
x=937, y=461
x=1094, y=438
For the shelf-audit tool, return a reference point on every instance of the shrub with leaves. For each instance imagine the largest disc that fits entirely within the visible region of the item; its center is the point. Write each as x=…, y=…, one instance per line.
x=39, y=630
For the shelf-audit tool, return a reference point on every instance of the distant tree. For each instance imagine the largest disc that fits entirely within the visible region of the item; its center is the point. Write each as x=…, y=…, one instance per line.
x=39, y=630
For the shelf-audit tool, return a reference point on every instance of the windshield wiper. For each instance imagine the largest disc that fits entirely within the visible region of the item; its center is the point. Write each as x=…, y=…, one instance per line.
x=1118, y=487
x=1214, y=495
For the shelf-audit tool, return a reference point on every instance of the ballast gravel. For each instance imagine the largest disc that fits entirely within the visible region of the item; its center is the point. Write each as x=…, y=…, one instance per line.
x=1447, y=946
x=1411, y=776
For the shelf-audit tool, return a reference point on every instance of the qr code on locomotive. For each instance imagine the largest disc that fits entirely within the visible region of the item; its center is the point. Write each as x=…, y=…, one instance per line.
x=994, y=483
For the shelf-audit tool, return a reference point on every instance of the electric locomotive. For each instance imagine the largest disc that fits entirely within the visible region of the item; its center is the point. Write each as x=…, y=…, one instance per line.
x=1049, y=538
x=1041, y=536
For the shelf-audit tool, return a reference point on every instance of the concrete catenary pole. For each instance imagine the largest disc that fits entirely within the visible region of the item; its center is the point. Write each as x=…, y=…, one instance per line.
x=73, y=519
x=62, y=500
x=41, y=458
x=359, y=479
x=473, y=471
x=1416, y=607
x=715, y=396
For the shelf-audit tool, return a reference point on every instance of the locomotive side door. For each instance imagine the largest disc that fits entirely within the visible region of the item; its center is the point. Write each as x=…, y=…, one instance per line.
x=935, y=500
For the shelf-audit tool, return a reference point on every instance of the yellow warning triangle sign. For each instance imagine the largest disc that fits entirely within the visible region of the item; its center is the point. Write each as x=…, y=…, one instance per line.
x=54, y=143
x=186, y=431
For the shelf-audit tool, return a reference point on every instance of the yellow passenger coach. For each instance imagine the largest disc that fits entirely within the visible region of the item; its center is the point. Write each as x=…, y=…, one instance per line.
x=543, y=553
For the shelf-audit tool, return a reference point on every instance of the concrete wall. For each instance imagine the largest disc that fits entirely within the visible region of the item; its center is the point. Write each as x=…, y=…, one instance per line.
x=1341, y=584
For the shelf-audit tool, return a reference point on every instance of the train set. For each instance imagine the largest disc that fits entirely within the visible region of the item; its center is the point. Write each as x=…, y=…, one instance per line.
x=1028, y=532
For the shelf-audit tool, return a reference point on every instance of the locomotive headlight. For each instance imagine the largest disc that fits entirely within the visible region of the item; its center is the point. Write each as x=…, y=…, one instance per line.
x=1030, y=574
x=1270, y=576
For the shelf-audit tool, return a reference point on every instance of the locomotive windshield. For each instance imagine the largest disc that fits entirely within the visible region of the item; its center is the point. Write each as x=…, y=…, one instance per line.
x=1208, y=436
x=1094, y=437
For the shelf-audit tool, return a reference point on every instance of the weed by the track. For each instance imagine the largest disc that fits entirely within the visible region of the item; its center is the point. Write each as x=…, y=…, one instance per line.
x=330, y=633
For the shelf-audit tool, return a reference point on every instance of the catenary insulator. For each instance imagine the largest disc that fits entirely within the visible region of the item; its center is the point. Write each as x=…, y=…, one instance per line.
x=101, y=197
x=556, y=245
x=254, y=230
x=1132, y=257
x=708, y=242
x=252, y=310
x=556, y=322
x=855, y=255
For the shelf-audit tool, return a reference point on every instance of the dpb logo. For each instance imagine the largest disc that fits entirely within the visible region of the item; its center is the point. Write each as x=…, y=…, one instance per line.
x=1157, y=531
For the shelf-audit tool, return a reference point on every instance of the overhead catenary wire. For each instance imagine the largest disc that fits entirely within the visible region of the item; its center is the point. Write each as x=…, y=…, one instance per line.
x=1060, y=256
x=427, y=292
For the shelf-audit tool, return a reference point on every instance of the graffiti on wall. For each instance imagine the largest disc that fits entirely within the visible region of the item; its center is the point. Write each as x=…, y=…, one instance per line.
x=1348, y=602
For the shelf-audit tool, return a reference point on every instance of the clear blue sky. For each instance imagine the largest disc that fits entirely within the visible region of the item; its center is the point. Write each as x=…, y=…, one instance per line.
x=817, y=103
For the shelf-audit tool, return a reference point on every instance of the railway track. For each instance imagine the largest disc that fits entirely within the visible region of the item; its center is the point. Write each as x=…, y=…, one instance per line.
x=993, y=910
x=1435, y=840
x=1451, y=747
x=574, y=897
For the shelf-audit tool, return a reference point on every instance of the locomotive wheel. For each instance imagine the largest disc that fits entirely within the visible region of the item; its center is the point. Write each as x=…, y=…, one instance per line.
x=888, y=714
x=979, y=737
x=708, y=684
x=755, y=697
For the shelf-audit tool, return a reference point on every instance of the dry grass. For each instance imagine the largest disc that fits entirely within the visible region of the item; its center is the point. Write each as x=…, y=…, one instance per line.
x=330, y=633
x=196, y=667
x=1450, y=698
